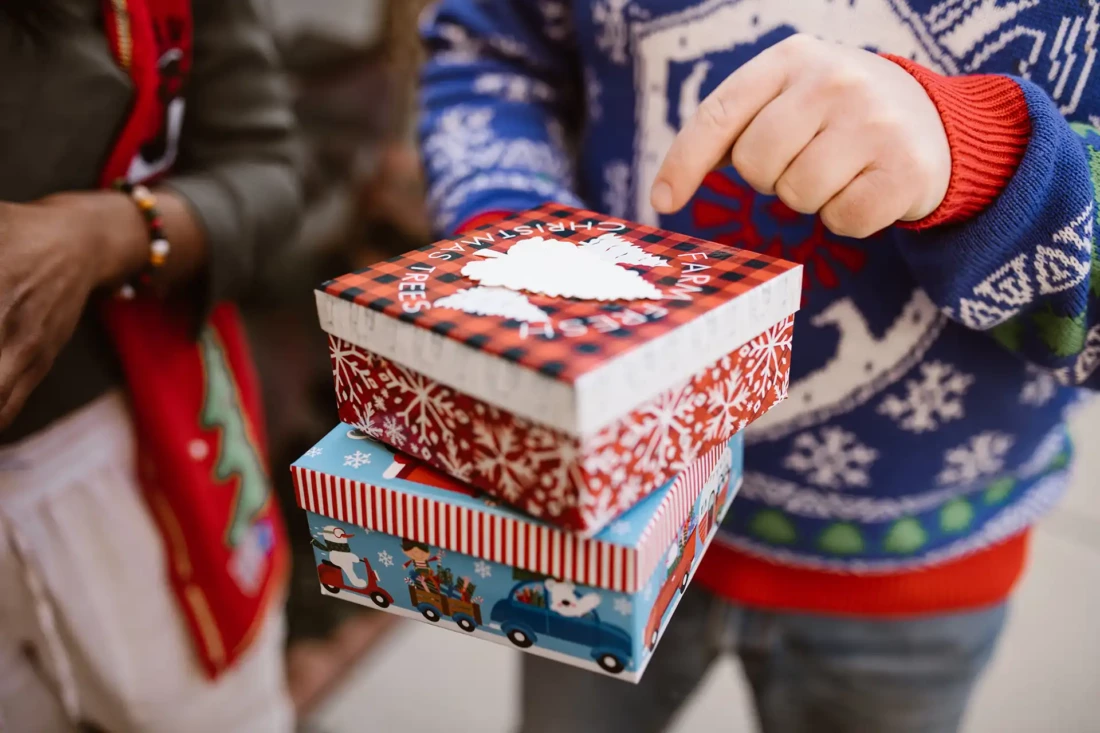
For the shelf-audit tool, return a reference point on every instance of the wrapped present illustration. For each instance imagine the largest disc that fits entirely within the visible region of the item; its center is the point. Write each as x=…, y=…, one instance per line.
x=564, y=362
x=419, y=548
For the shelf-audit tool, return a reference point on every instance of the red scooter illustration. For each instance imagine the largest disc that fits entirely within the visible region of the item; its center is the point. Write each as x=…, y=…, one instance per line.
x=337, y=572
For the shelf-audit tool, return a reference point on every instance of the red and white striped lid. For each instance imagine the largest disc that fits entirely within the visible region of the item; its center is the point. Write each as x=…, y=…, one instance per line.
x=356, y=480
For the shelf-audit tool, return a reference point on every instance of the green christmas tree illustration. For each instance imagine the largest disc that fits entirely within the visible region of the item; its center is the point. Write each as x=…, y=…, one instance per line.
x=237, y=458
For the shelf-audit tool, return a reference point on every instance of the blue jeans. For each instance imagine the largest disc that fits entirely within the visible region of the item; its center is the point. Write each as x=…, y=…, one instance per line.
x=809, y=674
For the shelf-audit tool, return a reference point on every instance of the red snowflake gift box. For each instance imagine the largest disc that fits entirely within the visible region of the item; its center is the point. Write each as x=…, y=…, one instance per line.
x=565, y=362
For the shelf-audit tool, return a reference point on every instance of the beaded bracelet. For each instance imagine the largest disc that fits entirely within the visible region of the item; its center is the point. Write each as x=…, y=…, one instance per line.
x=159, y=247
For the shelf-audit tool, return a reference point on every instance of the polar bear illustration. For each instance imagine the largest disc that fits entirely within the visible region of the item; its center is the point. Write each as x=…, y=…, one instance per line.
x=564, y=599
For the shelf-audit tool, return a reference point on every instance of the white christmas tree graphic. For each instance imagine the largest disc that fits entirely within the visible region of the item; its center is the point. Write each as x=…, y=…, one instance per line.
x=486, y=301
x=562, y=269
x=618, y=250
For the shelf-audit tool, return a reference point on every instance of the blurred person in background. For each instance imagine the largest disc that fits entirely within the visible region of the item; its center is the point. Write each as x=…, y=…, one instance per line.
x=352, y=66
x=943, y=200
x=147, y=163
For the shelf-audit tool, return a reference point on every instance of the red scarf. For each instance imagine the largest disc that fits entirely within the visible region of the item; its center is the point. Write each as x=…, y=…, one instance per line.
x=196, y=402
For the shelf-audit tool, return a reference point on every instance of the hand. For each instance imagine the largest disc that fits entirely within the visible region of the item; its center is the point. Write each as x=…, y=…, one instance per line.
x=51, y=259
x=835, y=131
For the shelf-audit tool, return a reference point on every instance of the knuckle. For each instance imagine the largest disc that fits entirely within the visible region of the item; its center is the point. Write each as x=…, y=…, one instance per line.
x=846, y=218
x=886, y=126
x=750, y=168
x=850, y=84
x=714, y=111
x=791, y=194
x=798, y=44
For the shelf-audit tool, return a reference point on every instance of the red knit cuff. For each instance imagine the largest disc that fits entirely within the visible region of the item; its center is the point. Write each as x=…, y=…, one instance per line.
x=988, y=128
x=480, y=220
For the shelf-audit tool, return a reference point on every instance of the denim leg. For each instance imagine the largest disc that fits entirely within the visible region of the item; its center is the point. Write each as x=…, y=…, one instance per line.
x=557, y=697
x=818, y=674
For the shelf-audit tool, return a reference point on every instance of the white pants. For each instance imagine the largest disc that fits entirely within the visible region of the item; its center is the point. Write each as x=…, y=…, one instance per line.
x=90, y=630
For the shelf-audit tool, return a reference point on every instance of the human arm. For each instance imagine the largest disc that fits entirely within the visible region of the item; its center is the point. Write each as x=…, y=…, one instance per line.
x=499, y=95
x=992, y=189
x=234, y=190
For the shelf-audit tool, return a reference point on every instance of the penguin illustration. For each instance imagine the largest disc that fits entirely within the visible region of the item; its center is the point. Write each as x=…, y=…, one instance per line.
x=334, y=541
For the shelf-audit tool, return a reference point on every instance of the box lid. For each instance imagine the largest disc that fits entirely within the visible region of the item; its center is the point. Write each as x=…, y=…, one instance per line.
x=351, y=478
x=562, y=316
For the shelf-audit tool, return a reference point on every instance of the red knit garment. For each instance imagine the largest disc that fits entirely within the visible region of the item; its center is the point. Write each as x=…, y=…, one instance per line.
x=988, y=128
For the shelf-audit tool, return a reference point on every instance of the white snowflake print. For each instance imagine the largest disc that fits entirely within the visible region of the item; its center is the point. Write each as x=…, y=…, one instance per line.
x=620, y=528
x=513, y=88
x=623, y=606
x=690, y=449
x=502, y=462
x=344, y=372
x=463, y=48
x=483, y=569
x=1039, y=389
x=614, y=34
x=726, y=403
x=616, y=192
x=466, y=155
x=453, y=462
x=983, y=455
x=357, y=459
x=315, y=452
x=429, y=412
x=385, y=558
x=764, y=357
x=558, y=484
x=394, y=432
x=834, y=458
x=934, y=399
x=651, y=438
x=366, y=420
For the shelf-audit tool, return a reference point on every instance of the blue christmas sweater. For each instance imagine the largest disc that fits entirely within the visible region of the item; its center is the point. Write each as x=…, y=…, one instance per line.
x=933, y=368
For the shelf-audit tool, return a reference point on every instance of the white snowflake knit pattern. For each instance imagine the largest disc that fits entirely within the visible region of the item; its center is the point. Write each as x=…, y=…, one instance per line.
x=614, y=34
x=935, y=399
x=1039, y=389
x=834, y=458
x=981, y=456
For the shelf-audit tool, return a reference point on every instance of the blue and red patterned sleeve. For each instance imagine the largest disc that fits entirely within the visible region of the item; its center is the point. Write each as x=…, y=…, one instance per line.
x=1012, y=249
x=500, y=95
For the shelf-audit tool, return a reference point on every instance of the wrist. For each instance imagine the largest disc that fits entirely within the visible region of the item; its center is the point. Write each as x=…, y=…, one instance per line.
x=115, y=244
x=988, y=127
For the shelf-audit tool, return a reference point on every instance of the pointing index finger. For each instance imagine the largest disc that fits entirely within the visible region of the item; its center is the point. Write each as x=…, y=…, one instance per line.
x=707, y=136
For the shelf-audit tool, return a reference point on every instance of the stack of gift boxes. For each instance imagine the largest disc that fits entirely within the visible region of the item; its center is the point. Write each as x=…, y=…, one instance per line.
x=541, y=427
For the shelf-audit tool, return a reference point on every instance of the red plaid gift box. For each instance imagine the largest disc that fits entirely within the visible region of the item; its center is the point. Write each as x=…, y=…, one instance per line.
x=563, y=361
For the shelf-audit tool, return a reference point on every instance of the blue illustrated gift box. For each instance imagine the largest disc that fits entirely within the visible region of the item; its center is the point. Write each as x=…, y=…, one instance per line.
x=389, y=532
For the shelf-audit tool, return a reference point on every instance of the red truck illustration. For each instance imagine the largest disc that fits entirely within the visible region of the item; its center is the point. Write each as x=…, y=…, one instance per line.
x=679, y=573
